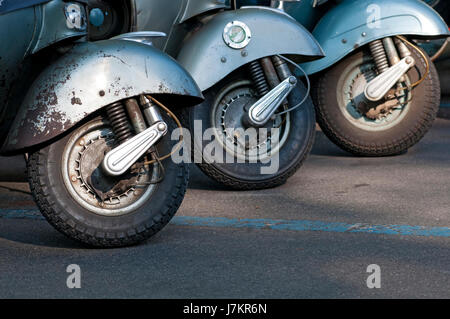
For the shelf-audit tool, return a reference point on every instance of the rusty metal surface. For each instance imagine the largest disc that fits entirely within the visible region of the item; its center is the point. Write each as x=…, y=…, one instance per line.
x=89, y=77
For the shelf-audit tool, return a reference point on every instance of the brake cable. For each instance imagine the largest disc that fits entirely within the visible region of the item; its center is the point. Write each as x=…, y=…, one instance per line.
x=425, y=59
x=154, y=152
x=177, y=121
x=308, y=91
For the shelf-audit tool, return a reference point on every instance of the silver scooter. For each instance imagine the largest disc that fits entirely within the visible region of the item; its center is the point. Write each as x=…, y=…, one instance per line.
x=235, y=56
x=93, y=120
x=238, y=59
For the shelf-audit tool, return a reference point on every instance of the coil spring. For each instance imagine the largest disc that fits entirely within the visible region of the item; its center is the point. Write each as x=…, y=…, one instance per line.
x=119, y=121
x=259, y=79
x=379, y=55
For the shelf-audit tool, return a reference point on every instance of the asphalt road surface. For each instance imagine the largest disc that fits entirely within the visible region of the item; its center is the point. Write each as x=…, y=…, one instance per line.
x=314, y=237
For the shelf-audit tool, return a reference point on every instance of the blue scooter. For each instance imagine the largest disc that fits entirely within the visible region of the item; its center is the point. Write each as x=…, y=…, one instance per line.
x=376, y=91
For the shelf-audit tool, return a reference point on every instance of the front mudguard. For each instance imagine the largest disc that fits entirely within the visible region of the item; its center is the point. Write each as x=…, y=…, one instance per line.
x=355, y=23
x=208, y=59
x=90, y=77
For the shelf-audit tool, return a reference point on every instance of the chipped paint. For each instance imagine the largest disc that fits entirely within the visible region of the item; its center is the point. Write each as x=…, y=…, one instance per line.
x=89, y=77
x=75, y=100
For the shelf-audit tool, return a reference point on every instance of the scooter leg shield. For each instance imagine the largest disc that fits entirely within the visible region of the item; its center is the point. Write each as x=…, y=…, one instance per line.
x=90, y=77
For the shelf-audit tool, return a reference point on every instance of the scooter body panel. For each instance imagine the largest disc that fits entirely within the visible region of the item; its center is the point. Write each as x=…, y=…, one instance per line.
x=175, y=12
x=12, y=55
x=52, y=26
x=197, y=7
x=89, y=77
x=355, y=23
x=8, y=6
x=207, y=57
x=26, y=27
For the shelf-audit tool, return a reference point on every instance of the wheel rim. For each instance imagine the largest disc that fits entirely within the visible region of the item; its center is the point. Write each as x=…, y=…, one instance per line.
x=226, y=114
x=89, y=187
x=350, y=93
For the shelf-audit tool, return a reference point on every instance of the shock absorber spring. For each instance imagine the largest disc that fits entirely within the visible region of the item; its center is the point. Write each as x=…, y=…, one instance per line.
x=259, y=79
x=119, y=121
x=379, y=55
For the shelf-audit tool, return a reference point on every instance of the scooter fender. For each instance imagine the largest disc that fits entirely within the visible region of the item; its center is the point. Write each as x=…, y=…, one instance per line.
x=90, y=77
x=354, y=23
x=209, y=59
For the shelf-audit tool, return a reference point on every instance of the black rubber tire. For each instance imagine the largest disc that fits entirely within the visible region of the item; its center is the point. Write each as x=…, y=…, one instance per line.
x=396, y=140
x=66, y=215
x=247, y=176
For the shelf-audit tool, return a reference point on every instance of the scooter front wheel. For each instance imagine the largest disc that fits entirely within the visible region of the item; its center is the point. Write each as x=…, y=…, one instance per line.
x=81, y=201
x=243, y=157
x=367, y=128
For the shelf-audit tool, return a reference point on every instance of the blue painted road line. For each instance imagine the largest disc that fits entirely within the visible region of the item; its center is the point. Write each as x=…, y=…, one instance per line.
x=21, y=214
x=309, y=225
x=274, y=224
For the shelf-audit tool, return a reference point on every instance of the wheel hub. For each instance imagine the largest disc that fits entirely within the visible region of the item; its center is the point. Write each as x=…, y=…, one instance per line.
x=229, y=109
x=94, y=190
x=234, y=110
x=372, y=110
x=93, y=177
x=359, y=102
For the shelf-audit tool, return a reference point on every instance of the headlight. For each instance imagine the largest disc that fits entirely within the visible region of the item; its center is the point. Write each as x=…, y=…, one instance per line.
x=108, y=18
x=75, y=16
x=96, y=17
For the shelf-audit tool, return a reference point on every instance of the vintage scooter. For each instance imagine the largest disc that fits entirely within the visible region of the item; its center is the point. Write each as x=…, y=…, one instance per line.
x=376, y=92
x=235, y=58
x=93, y=120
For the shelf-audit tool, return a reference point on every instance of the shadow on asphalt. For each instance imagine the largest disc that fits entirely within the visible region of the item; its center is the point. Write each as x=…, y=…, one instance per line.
x=30, y=232
x=324, y=147
x=301, y=197
x=198, y=180
x=37, y=232
x=181, y=263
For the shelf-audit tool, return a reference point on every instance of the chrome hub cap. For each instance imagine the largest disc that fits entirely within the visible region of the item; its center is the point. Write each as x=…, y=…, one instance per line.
x=366, y=115
x=227, y=114
x=94, y=190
